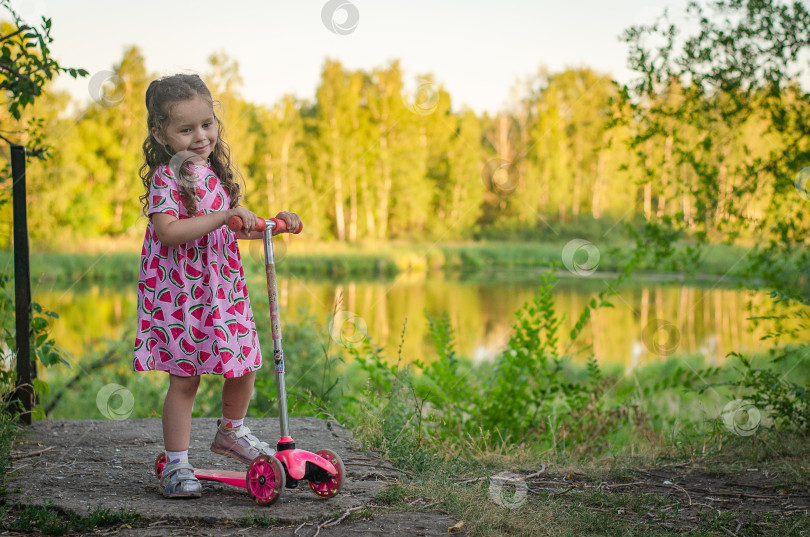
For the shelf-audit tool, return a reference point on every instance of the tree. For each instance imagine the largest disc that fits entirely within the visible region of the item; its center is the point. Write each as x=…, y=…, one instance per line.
x=25, y=69
x=91, y=181
x=727, y=99
x=26, y=66
x=337, y=98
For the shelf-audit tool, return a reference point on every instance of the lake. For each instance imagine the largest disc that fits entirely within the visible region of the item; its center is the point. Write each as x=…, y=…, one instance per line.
x=650, y=319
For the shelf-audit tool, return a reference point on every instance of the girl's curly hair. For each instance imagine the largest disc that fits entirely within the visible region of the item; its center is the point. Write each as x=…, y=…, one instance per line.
x=161, y=95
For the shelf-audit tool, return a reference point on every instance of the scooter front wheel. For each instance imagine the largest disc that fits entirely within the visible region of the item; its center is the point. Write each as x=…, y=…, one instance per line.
x=265, y=479
x=332, y=485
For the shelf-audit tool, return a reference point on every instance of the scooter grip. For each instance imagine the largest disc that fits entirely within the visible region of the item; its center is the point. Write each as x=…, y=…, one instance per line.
x=235, y=224
x=281, y=227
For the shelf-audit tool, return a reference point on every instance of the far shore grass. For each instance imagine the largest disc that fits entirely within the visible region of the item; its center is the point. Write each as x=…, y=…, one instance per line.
x=387, y=259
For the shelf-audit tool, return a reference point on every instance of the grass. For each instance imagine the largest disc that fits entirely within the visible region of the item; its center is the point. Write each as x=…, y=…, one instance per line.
x=9, y=432
x=387, y=259
x=654, y=418
x=259, y=521
x=50, y=520
x=584, y=508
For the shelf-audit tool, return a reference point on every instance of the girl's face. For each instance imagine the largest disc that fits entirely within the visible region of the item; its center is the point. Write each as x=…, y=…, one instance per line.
x=191, y=127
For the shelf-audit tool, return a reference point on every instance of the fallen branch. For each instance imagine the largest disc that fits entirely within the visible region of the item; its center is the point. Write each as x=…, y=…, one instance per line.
x=566, y=491
x=681, y=488
x=522, y=478
x=15, y=456
x=378, y=466
x=342, y=517
x=328, y=523
x=427, y=505
x=317, y=528
x=609, y=486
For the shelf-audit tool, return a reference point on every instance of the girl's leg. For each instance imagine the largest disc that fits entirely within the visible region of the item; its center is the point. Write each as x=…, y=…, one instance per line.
x=177, y=412
x=236, y=394
x=178, y=479
x=238, y=442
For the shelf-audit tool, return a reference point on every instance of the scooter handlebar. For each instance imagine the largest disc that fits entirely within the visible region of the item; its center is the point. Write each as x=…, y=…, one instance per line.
x=279, y=225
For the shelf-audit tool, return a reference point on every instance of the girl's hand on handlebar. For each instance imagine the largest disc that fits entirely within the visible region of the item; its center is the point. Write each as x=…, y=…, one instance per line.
x=249, y=218
x=292, y=220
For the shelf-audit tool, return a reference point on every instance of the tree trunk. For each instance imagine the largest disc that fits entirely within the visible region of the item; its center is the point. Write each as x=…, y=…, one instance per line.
x=598, y=186
x=387, y=182
x=647, y=184
x=575, y=195
x=285, y=167
x=353, y=208
x=268, y=182
x=368, y=205
x=314, y=199
x=340, y=225
x=662, y=196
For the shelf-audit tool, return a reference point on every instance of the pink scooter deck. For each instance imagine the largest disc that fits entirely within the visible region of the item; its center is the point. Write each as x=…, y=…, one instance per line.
x=229, y=477
x=295, y=459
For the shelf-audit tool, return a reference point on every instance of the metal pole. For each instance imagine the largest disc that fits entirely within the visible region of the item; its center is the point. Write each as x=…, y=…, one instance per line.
x=275, y=327
x=24, y=390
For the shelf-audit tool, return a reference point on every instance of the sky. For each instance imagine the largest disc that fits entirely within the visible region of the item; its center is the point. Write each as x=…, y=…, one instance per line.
x=478, y=50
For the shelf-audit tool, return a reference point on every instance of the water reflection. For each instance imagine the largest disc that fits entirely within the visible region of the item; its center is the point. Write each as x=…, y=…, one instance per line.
x=648, y=321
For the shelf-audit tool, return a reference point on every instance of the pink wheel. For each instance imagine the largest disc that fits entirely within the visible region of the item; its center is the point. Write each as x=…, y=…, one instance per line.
x=332, y=485
x=265, y=479
x=160, y=462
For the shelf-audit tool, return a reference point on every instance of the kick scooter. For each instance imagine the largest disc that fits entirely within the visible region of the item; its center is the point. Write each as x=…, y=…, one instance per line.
x=267, y=476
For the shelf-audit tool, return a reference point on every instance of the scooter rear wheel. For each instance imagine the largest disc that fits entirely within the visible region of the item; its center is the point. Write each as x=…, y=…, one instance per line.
x=160, y=462
x=265, y=479
x=330, y=487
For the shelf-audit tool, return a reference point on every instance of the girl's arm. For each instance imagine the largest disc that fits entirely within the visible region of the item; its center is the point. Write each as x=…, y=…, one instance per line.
x=171, y=231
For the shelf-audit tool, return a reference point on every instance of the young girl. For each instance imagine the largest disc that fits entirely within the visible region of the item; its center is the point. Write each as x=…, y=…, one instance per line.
x=194, y=315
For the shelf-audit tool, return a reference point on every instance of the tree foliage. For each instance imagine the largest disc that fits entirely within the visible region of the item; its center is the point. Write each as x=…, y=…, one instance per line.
x=26, y=66
x=708, y=143
x=720, y=93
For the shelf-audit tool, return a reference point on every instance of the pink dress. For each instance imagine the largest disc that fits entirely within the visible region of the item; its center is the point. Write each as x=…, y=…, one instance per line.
x=194, y=314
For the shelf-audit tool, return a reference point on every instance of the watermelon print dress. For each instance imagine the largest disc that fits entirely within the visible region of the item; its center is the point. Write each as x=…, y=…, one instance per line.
x=194, y=314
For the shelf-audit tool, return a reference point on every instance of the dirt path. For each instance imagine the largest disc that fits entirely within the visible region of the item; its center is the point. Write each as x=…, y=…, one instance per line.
x=83, y=465
x=689, y=491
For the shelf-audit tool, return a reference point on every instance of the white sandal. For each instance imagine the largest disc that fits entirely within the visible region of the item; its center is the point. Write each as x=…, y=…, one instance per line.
x=178, y=481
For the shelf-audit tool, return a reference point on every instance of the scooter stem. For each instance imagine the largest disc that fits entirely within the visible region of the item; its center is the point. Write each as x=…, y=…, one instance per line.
x=275, y=327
